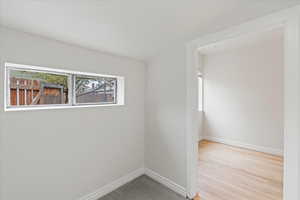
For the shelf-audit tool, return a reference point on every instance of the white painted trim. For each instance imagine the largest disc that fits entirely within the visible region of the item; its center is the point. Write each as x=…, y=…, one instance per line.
x=291, y=73
x=58, y=107
x=166, y=182
x=114, y=185
x=192, y=120
x=288, y=19
x=277, y=152
x=55, y=70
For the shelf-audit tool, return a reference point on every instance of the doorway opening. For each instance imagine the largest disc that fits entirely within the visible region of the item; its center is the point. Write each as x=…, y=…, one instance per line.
x=241, y=116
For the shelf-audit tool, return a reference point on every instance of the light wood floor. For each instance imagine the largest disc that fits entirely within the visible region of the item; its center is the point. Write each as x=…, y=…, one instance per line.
x=231, y=173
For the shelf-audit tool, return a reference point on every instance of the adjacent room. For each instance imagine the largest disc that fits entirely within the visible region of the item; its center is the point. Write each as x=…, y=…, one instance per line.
x=149, y=99
x=241, y=110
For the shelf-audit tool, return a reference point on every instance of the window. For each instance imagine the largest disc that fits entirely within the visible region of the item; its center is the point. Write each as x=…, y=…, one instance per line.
x=200, y=93
x=33, y=88
x=95, y=90
x=29, y=87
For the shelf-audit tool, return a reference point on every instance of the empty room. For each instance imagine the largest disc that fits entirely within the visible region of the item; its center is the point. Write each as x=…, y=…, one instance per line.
x=241, y=135
x=149, y=100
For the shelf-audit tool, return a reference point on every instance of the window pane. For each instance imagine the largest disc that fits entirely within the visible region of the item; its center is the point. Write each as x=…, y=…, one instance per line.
x=29, y=88
x=95, y=90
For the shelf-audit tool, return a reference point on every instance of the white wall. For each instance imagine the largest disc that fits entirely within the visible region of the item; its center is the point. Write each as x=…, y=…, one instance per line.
x=165, y=151
x=65, y=154
x=243, y=94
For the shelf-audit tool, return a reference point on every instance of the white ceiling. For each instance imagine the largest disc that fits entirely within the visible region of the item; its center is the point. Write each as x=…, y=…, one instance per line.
x=133, y=28
x=274, y=36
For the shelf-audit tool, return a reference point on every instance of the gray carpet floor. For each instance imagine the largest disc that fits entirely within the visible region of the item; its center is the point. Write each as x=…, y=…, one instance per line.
x=143, y=188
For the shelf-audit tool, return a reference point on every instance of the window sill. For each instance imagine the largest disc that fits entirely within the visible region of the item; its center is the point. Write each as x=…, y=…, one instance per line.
x=59, y=107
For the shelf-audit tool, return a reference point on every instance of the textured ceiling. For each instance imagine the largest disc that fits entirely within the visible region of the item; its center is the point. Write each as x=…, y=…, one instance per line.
x=133, y=28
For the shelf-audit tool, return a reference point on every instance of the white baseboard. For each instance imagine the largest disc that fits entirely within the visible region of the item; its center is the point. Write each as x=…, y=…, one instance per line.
x=268, y=150
x=166, y=182
x=129, y=177
x=114, y=185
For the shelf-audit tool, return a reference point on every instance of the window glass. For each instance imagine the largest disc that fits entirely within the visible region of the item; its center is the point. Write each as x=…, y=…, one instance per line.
x=95, y=90
x=31, y=88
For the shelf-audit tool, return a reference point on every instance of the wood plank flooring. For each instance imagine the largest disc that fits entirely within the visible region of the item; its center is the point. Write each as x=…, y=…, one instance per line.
x=231, y=173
